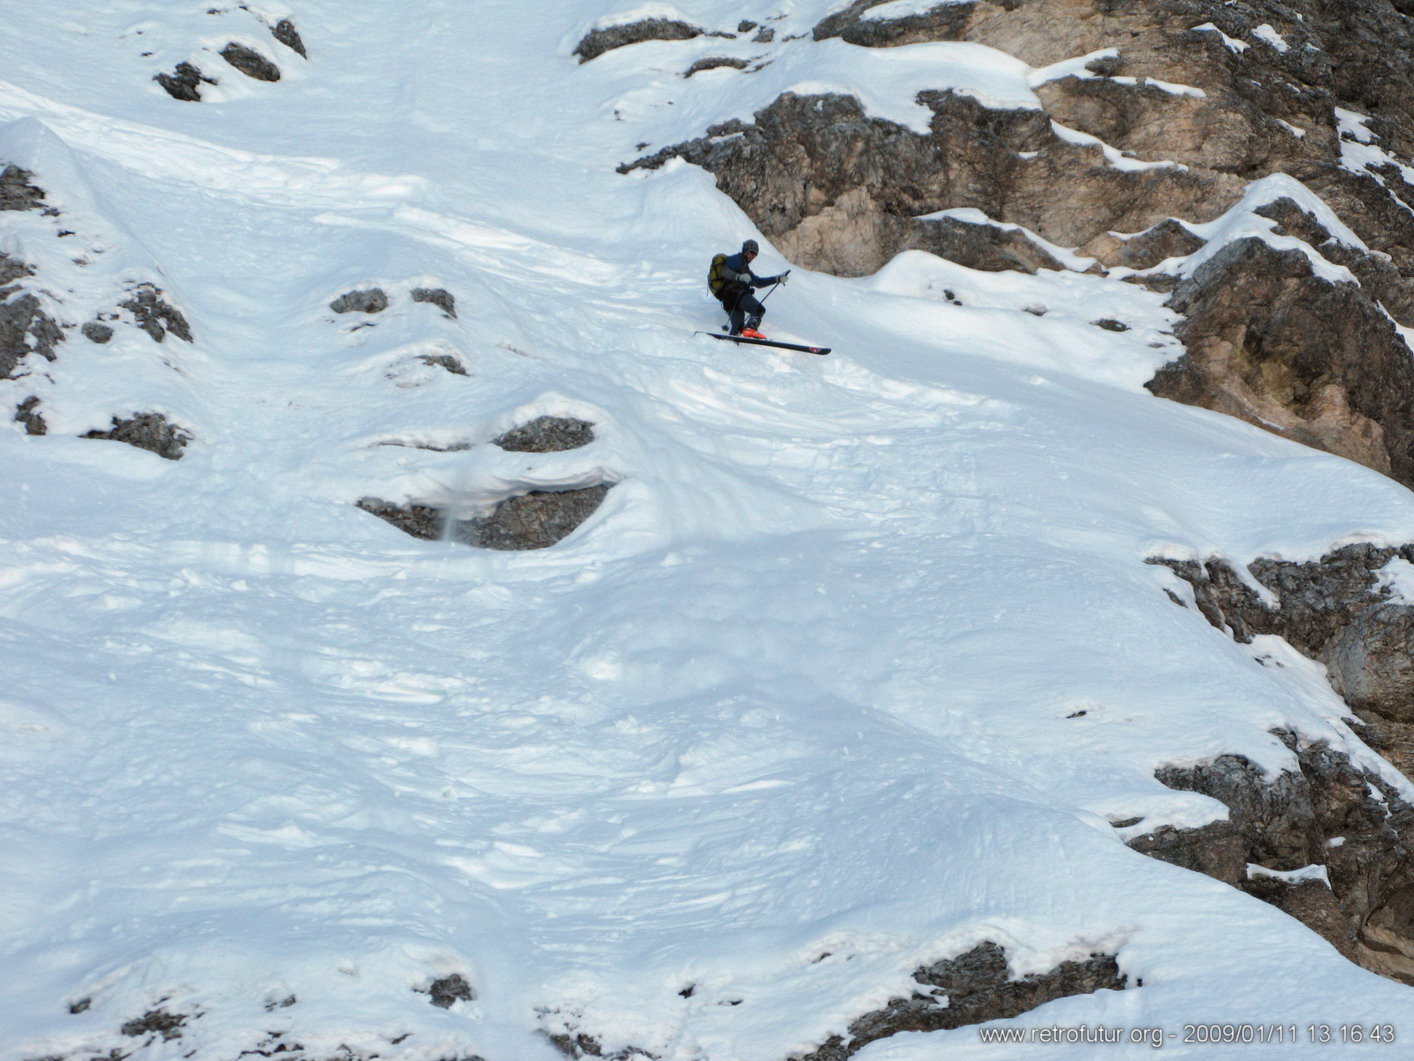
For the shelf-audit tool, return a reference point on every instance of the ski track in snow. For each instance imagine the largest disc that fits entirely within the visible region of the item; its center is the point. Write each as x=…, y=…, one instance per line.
x=797, y=709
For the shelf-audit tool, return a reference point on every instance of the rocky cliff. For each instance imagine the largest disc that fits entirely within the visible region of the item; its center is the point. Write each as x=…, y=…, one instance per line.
x=1154, y=123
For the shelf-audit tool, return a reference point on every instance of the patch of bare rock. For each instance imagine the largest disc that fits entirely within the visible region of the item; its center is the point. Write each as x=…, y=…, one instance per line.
x=250, y=62
x=163, y=1025
x=150, y=431
x=971, y=988
x=547, y=434
x=185, y=81
x=536, y=519
x=598, y=41
x=375, y=300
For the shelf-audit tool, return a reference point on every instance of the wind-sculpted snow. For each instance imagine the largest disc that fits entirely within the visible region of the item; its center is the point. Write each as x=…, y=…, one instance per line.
x=853, y=672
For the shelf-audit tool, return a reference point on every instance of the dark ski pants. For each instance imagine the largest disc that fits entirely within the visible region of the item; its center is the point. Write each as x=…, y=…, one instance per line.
x=745, y=311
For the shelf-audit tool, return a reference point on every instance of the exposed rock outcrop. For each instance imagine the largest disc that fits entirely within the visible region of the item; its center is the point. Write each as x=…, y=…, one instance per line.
x=537, y=519
x=184, y=83
x=597, y=42
x=447, y=361
x=1341, y=610
x=149, y=431
x=25, y=327
x=547, y=434
x=971, y=988
x=991, y=248
x=446, y=991
x=250, y=62
x=18, y=190
x=841, y=191
x=369, y=300
x=27, y=413
x=284, y=31
x=437, y=296
x=1271, y=342
x=944, y=22
x=155, y=315
x=1329, y=843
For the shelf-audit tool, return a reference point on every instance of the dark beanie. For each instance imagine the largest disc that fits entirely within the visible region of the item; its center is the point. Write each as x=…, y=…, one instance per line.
x=750, y=247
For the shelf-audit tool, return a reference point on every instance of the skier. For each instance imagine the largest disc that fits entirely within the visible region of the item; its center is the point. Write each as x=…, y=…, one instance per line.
x=733, y=283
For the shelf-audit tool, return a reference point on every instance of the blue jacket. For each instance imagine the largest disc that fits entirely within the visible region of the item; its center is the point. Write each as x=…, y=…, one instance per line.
x=738, y=270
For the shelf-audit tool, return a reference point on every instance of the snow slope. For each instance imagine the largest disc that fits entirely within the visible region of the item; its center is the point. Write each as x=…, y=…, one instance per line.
x=810, y=682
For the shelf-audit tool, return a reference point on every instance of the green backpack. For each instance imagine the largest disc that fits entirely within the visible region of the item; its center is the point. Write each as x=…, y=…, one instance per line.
x=716, y=275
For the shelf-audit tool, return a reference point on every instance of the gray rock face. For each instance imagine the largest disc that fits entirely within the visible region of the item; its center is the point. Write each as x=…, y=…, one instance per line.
x=840, y=191
x=25, y=328
x=715, y=62
x=1272, y=343
x=155, y=315
x=17, y=190
x=1288, y=823
x=534, y=520
x=184, y=83
x=1338, y=611
x=970, y=989
x=420, y=521
x=250, y=62
x=372, y=300
x=1168, y=239
x=27, y=413
x=149, y=431
x=547, y=434
x=981, y=246
x=284, y=31
x=97, y=333
x=447, y=361
x=449, y=990
x=437, y=296
x=599, y=41
x=945, y=22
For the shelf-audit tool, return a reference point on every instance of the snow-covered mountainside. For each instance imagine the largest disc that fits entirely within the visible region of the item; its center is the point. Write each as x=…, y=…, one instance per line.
x=418, y=644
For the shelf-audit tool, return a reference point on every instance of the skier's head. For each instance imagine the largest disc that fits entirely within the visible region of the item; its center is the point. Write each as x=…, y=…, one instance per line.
x=750, y=249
